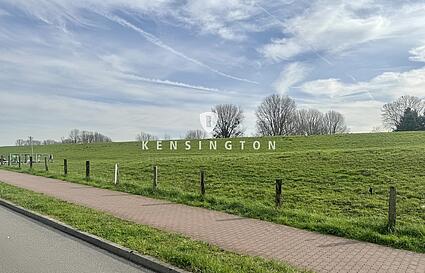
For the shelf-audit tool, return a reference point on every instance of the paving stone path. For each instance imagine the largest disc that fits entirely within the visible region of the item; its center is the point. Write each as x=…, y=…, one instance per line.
x=304, y=249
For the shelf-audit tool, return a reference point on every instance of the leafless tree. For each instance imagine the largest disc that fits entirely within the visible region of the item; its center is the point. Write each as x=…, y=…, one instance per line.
x=276, y=116
x=196, y=134
x=229, y=122
x=145, y=137
x=393, y=111
x=77, y=136
x=50, y=142
x=334, y=123
x=20, y=142
x=310, y=122
x=74, y=136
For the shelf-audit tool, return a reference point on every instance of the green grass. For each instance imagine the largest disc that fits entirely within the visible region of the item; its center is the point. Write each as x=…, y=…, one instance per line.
x=175, y=249
x=326, y=180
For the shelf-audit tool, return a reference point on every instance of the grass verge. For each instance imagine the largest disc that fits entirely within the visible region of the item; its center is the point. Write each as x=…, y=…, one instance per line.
x=177, y=250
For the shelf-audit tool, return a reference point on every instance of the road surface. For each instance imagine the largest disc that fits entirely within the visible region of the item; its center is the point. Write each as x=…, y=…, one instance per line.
x=27, y=246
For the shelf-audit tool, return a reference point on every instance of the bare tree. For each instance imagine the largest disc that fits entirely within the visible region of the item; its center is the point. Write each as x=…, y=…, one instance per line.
x=20, y=142
x=310, y=122
x=74, y=136
x=50, y=142
x=196, y=134
x=145, y=137
x=77, y=136
x=276, y=116
x=393, y=111
x=229, y=122
x=334, y=123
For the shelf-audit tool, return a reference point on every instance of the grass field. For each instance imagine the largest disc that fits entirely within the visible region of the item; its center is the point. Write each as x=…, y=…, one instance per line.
x=326, y=180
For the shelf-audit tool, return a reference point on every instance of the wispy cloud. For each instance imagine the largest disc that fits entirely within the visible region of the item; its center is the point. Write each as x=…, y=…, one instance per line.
x=290, y=75
x=168, y=60
x=155, y=40
x=417, y=54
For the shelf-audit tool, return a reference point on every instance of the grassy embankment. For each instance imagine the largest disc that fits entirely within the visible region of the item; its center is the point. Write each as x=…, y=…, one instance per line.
x=326, y=180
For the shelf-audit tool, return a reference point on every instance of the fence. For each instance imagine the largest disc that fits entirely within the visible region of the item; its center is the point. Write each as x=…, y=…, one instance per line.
x=278, y=184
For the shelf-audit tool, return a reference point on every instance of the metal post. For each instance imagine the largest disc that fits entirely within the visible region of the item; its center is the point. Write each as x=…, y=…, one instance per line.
x=31, y=162
x=19, y=161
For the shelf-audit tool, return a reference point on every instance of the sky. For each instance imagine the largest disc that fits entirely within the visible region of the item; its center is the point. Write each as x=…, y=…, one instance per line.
x=124, y=66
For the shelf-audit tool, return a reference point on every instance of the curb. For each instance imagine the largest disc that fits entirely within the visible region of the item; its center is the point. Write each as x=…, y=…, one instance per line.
x=130, y=255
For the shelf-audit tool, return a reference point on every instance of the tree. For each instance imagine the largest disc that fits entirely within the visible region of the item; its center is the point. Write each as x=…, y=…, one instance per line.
x=409, y=121
x=229, y=121
x=145, y=137
x=276, y=116
x=74, y=136
x=77, y=136
x=310, y=122
x=20, y=142
x=393, y=111
x=50, y=142
x=421, y=123
x=196, y=134
x=334, y=123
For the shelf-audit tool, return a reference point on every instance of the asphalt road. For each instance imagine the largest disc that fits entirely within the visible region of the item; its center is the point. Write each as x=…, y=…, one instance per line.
x=27, y=246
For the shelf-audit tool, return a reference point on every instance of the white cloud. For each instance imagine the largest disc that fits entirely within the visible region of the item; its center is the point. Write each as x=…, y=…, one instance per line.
x=222, y=17
x=290, y=75
x=418, y=54
x=337, y=26
x=388, y=85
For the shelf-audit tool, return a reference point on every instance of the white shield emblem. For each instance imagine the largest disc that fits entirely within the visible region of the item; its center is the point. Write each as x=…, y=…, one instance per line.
x=208, y=121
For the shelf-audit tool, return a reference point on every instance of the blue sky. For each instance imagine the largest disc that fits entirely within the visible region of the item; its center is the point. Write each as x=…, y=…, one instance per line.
x=122, y=66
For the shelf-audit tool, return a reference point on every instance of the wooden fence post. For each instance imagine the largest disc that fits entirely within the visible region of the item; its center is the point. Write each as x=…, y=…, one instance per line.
x=155, y=177
x=202, y=182
x=19, y=161
x=46, y=166
x=278, y=198
x=392, y=205
x=31, y=162
x=87, y=170
x=116, y=176
x=9, y=158
x=65, y=167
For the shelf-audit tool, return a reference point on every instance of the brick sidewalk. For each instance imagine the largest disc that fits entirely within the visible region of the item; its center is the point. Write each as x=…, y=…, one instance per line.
x=320, y=253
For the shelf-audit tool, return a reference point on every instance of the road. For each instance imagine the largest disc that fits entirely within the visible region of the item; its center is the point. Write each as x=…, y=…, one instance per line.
x=27, y=246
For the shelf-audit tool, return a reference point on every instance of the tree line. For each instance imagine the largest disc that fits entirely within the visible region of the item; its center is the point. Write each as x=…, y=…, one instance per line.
x=75, y=137
x=277, y=115
x=407, y=113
